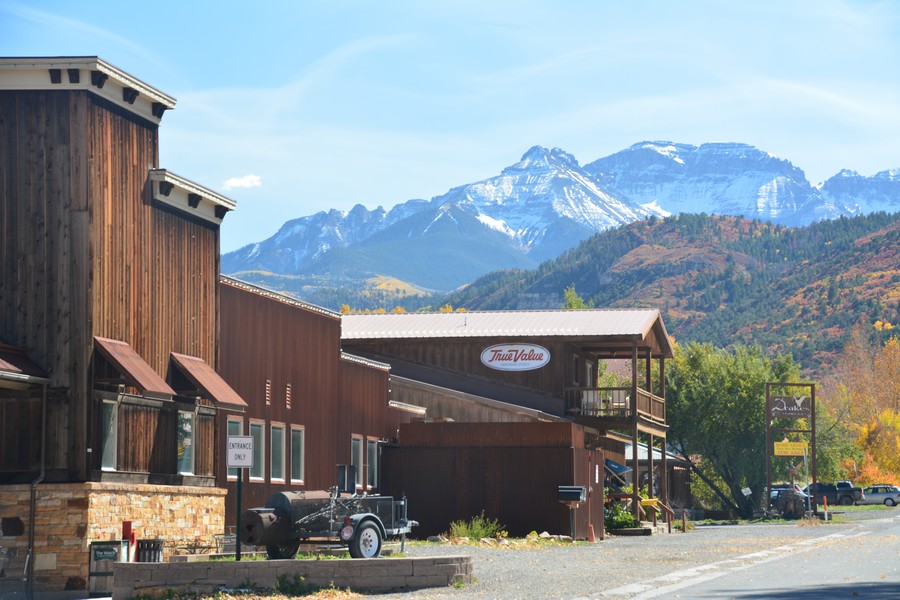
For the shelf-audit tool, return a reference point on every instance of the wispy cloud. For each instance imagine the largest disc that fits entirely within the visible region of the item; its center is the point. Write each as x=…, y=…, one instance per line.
x=244, y=182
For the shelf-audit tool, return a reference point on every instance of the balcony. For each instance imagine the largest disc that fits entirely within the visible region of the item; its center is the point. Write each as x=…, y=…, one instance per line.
x=614, y=408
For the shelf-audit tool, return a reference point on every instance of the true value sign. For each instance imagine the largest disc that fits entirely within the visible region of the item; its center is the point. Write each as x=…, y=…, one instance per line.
x=240, y=451
x=515, y=357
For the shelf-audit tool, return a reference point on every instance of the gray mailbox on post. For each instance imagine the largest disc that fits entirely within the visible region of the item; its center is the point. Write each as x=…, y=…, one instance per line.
x=571, y=494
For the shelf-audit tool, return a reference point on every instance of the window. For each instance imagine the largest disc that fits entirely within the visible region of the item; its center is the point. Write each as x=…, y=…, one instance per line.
x=276, y=471
x=110, y=436
x=356, y=457
x=372, y=463
x=185, y=437
x=258, y=433
x=235, y=427
x=297, y=453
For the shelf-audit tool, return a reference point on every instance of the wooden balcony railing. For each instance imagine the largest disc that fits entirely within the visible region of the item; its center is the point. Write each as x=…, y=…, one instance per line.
x=613, y=403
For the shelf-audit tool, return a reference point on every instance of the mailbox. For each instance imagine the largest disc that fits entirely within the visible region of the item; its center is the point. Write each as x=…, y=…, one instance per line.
x=571, y=493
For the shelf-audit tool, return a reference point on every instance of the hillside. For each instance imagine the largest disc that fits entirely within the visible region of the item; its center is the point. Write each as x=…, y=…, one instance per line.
x=725, y=279
x=537, y=208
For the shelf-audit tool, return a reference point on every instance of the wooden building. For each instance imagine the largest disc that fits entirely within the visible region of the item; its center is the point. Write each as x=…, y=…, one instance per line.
x=108, y=318
x=311, y=406
x=520, y=366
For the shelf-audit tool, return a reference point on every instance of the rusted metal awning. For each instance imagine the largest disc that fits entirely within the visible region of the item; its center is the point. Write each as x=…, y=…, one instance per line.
x=17, y=371
x=208, y=381
x=133, y=368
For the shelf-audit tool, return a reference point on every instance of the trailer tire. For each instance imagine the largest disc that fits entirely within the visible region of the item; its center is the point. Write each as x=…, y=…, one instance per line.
x=281, y=551
x=367, y=541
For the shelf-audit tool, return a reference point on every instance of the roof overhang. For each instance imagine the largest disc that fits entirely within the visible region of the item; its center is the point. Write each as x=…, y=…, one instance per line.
x=88, y=73
x=133, y=368
x=17, y=371
x=208, y=382
x=609, y=333
x=189, y=197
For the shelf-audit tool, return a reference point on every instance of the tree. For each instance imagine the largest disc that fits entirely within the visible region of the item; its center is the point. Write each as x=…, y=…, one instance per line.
x=573, y=300
x=716, y=401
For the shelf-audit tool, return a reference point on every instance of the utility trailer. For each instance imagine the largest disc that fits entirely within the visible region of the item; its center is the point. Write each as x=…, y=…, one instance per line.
x=359, y=522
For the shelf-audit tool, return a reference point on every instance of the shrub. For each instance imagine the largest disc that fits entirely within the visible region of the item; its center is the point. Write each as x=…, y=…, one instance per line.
x=476, y=528
x=618, y=517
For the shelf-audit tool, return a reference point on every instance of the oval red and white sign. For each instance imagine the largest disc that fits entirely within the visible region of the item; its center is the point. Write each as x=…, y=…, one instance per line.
x=515, y=357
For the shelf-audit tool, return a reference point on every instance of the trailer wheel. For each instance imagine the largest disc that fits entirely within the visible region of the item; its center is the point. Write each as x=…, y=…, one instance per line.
x=367, y=542
x=279, y=551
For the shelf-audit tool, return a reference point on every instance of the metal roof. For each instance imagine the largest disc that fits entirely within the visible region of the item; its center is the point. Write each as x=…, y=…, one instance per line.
x=208, y=381
x=132, y=367
x=17, y=367
x=588, y=324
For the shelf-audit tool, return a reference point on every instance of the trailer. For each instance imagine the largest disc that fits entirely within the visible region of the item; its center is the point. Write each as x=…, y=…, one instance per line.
x=359, y=522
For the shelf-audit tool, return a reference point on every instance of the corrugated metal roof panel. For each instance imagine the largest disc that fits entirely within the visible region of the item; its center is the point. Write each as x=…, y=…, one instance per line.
x=536, y=323
x=206, y=379
x=132, y=367
x=15, y=365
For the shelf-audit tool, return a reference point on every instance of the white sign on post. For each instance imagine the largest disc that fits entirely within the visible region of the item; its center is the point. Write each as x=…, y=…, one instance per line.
x=240, y=452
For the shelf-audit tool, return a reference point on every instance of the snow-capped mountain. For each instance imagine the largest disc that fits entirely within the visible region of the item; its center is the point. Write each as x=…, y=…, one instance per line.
x=534, y=210
x=724, y=179
x=547, y=203
x=881, y=192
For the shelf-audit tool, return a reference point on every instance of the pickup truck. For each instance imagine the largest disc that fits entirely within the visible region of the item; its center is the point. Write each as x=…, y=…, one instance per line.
x=842, y=493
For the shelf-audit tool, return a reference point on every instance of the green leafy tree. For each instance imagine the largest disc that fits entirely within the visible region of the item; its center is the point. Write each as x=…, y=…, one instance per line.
x=715, y=402
x=573, y=300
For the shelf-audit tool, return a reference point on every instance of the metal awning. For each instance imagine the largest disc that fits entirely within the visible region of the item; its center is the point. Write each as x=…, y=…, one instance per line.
x=133, y=368
x=17, y=371
x=206, y=380
x=616, y=468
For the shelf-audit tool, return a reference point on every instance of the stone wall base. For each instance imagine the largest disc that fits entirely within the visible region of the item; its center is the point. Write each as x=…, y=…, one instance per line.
x=361, y=575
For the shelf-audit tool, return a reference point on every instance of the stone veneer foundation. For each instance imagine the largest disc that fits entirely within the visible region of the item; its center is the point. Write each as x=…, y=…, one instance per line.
x=69, y=516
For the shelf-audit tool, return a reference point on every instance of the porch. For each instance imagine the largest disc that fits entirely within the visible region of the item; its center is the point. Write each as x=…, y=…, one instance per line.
x=616, y=408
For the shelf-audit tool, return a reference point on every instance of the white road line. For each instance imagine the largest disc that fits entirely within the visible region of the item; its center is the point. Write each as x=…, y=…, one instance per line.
x=679, y=580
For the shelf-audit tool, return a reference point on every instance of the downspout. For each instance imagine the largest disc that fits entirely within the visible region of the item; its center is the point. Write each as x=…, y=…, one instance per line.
x=29, y=573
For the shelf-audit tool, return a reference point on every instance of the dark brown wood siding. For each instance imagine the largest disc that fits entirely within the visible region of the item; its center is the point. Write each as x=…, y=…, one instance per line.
x=510, y=471
x=84, y=252
x=264, y=339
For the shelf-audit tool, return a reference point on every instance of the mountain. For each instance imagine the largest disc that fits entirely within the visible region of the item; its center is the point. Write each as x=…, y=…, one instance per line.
x=724, y=179
x=724, y=279
x=534, y=210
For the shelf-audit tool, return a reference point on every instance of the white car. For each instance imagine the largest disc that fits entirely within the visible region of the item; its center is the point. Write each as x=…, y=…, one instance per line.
x=889, y=495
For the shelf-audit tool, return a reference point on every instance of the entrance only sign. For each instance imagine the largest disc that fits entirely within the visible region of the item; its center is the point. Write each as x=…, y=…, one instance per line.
x=240, y=451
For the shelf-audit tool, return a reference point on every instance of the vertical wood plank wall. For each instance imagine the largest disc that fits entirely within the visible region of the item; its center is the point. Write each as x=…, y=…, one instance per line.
x=84, y=252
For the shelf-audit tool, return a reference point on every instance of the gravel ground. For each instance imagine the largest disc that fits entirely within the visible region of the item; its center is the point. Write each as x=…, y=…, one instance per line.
x=586, y=570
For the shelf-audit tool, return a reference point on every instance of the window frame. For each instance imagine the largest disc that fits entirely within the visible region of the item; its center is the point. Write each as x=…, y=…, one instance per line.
x=109, y=443
x=357, y=456
x=258, y=470
x=372, y=470
x=301, y=430
x=231, y=473
x=275, y=450
x=189, y=441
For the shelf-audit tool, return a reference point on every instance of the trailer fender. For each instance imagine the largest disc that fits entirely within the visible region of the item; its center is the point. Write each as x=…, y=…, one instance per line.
x=352, y=523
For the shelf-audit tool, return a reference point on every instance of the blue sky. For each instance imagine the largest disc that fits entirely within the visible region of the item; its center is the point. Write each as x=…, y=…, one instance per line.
x=292, y=107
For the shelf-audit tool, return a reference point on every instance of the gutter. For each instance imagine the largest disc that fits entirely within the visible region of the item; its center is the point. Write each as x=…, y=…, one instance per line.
x=29, y=567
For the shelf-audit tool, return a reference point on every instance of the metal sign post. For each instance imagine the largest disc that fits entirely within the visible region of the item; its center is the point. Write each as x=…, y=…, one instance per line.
x=240, y=457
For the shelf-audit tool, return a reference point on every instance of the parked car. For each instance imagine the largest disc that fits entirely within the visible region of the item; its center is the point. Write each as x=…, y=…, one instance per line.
x=843, y=493
x=889, y=495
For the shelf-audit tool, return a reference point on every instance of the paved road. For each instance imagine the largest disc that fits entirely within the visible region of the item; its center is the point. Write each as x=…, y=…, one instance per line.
x=834, y=560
